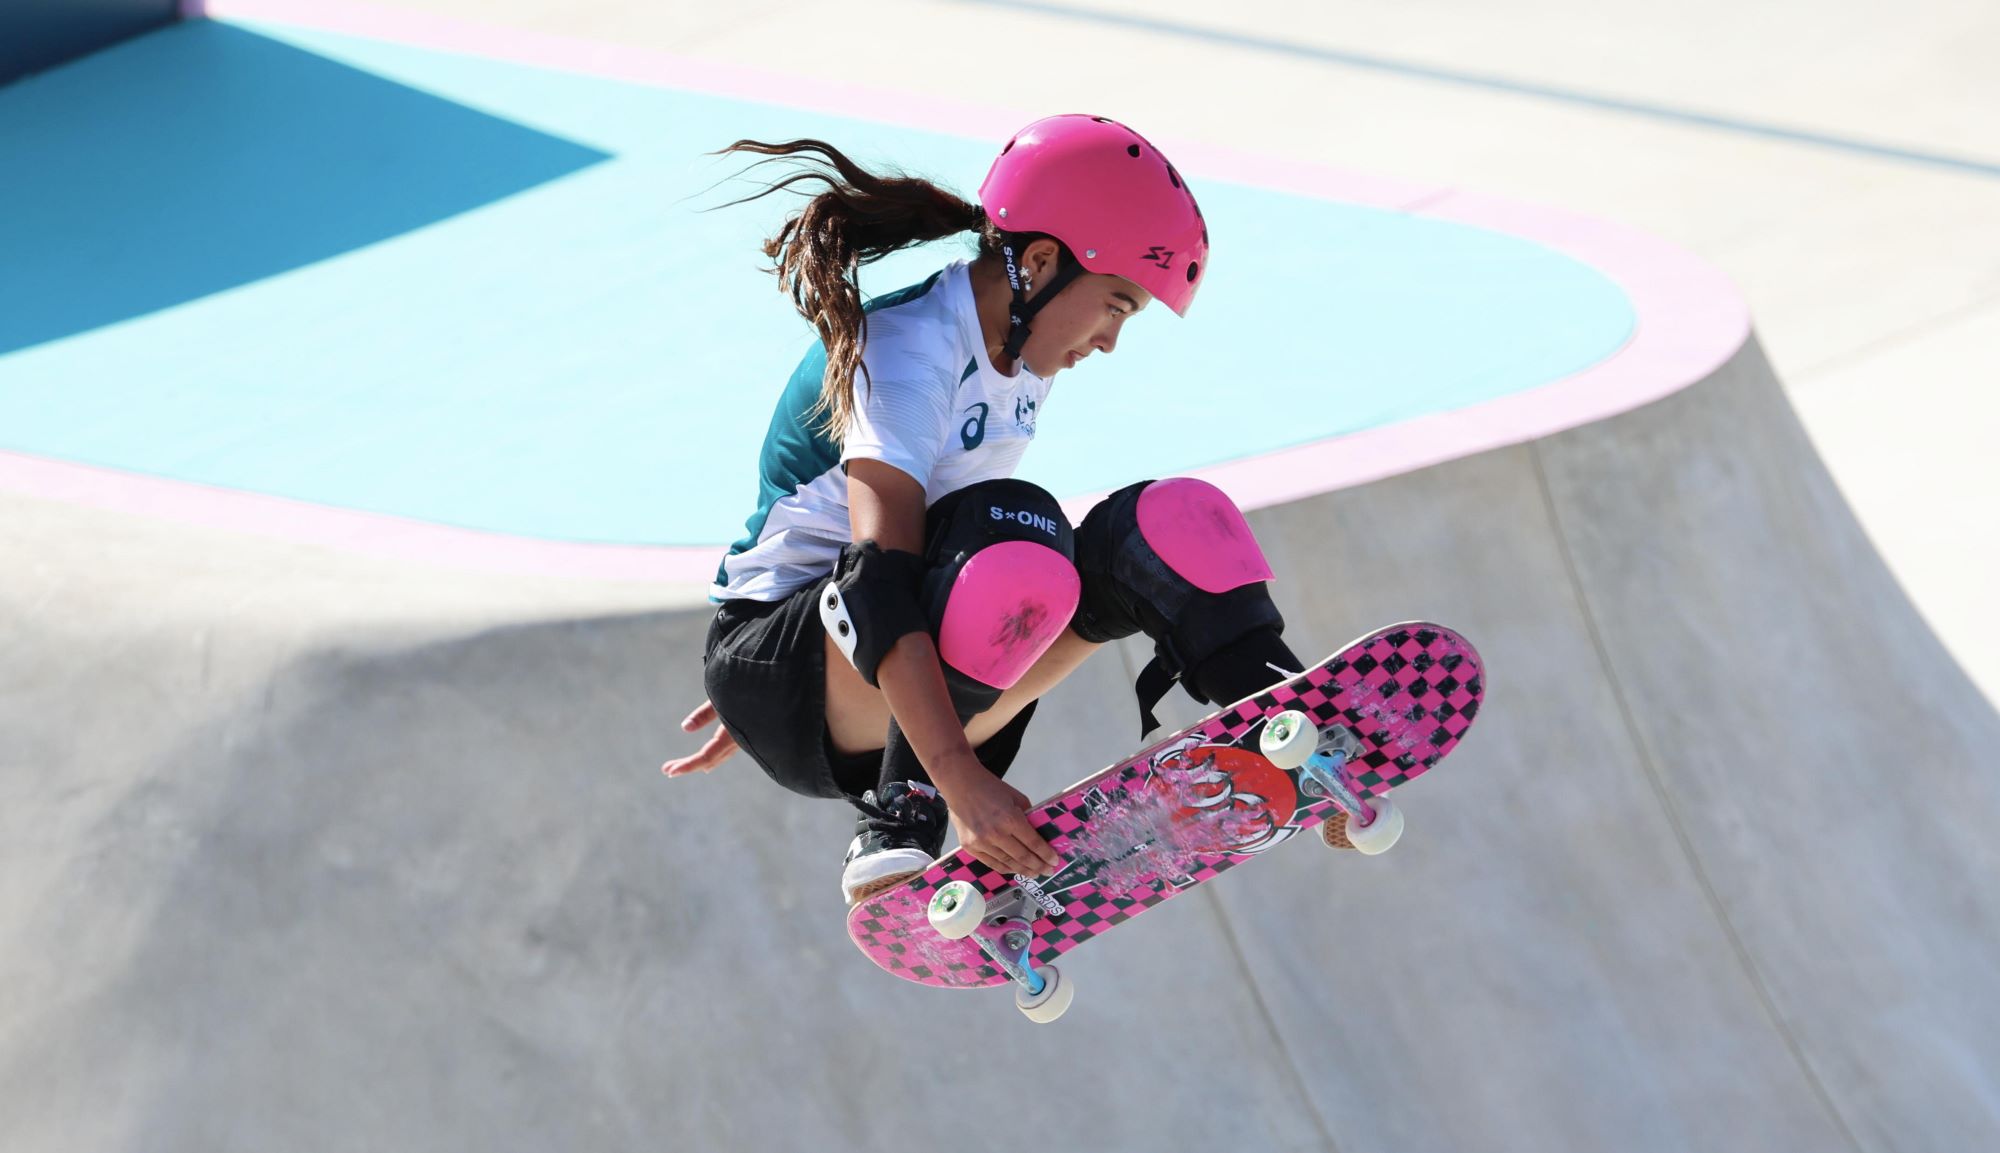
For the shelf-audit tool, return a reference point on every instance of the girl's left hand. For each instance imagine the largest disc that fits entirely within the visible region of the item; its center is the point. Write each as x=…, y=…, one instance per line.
x=709, y=755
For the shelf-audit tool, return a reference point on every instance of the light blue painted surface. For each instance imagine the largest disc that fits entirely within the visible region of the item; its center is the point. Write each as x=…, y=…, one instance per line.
x=589, y=357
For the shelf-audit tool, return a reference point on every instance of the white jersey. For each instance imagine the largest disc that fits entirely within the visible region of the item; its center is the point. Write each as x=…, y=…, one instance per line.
x=938, y=410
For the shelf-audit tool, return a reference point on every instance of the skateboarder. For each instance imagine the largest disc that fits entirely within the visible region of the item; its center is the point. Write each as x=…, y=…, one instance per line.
x=899, y=602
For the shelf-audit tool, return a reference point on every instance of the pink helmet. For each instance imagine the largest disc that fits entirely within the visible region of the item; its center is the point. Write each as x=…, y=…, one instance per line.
x=1109, y=196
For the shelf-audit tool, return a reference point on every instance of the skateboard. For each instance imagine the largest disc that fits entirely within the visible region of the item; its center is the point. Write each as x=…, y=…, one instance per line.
x=1331, y=741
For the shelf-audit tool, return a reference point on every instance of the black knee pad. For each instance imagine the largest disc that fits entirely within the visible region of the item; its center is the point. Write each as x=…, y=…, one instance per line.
x=1206, y=594
x=1024, y=528
x=963, y=522
x=876, y=596
x=1005, y=548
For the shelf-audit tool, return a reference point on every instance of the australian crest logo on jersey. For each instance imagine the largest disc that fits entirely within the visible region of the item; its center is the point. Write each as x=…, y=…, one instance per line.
x=1024, y=415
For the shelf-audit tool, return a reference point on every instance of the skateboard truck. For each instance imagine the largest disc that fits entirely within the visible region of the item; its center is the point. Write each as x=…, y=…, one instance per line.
x=1003, y=929
x=1290, y=741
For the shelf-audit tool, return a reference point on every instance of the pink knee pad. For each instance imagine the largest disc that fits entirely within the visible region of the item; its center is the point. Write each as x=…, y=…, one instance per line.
x=1198, y=531
x=1008, y=604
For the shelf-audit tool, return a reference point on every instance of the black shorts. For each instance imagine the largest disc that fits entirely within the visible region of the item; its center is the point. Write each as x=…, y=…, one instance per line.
x=765, y=670
x=764, y=666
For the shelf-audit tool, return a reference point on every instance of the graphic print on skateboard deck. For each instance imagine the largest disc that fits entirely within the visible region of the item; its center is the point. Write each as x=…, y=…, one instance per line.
x=1195, y=804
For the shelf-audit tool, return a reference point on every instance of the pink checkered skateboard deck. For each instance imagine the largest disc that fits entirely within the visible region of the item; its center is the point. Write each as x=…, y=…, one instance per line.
x=1195, y=804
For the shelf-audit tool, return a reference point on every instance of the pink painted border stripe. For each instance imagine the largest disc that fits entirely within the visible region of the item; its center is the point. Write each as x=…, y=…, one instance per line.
x=261, y=514
x=1691, y=318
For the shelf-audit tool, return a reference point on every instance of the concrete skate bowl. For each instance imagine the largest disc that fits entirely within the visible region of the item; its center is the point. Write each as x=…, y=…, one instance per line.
x=310, y=843
x=1712, y=871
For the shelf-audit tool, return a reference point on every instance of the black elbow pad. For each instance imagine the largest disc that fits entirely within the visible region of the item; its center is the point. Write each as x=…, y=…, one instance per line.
x=871, y=603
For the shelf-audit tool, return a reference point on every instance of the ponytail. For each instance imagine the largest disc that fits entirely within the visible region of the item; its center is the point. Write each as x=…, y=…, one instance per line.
x=860, y=218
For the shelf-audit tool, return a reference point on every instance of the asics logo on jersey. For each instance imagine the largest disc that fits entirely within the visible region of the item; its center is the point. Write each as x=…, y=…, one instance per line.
x=1031, y=520
x=973, y=431
x=1164, y=257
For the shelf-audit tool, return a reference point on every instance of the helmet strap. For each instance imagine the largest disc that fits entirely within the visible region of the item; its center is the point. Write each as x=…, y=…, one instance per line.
x=1021, y=310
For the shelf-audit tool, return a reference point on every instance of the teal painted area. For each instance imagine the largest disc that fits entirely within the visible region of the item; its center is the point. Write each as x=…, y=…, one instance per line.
x=593, y=358
x=206, y=157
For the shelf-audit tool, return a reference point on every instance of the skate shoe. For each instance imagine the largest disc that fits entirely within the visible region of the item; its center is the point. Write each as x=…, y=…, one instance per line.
x=898, y=836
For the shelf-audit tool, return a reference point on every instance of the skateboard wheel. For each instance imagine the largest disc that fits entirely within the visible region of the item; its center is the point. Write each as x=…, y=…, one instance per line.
x=1289, y=739
x=1057, y=992
x=956, y=910
x=1384, y=831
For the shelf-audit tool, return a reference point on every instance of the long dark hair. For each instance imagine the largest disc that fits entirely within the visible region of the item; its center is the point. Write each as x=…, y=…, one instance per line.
x=860, y=218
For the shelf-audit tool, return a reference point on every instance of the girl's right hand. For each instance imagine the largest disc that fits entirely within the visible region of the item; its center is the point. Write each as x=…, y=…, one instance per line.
x=710, y=754
x=989, y=817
